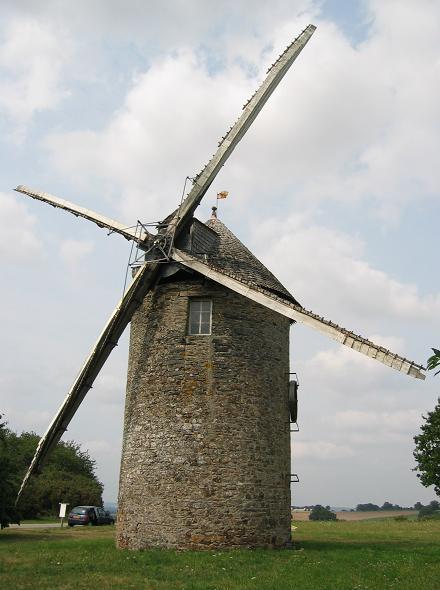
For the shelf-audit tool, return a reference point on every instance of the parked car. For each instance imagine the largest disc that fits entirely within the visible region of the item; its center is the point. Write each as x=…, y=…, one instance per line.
x=108, y=517
x=85, y=515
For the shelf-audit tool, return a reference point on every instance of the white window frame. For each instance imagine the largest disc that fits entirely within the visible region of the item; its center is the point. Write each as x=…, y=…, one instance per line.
x=195, y=316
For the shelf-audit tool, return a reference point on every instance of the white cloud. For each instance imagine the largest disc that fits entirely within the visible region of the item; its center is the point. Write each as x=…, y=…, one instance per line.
x=323, y=450
x=380, y=423
x=344, y=380
x=347, y=124
x=165, y=26
x=29, y=420
x=98, y=447
x=351, y=285
x=163, y=132
x=32, y=57
x=72, y=252
x=343, y=366
x=17, y=236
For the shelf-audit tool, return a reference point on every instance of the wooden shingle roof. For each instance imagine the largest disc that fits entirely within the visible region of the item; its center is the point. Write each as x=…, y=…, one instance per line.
x=216, y=245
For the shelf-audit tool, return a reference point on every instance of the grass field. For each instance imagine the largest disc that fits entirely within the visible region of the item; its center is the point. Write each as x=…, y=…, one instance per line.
x=374, y=555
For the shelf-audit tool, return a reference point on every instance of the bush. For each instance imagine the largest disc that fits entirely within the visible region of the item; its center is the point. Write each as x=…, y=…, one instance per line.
x=434, y=516
x=320, y=513
x=430, y=511
x=369, y=507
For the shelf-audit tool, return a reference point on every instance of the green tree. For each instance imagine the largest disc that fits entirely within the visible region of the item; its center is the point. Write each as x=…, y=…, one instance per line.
x=68, y=476
x=427, y=450
x=368, y=507
x=8, y=482
x=434, y=361
x=318, y=512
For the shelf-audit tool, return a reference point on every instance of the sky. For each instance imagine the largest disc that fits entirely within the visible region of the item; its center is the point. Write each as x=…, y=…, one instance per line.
x=335, y=188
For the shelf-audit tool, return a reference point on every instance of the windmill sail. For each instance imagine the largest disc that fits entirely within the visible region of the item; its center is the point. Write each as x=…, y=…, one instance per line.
x=108, y=339
x=250, y=111
x=97, y=218
x=299, y=314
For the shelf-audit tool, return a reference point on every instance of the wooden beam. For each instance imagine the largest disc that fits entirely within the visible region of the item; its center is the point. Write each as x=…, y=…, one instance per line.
x=299, y=314
x=97, y=218
x=250, y=111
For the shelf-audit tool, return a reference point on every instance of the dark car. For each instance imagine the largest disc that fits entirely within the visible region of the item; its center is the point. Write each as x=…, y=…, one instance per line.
x=108, y=517
x=85, y=515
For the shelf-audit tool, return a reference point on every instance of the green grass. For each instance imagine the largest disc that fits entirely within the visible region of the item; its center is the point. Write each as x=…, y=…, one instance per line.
x=360, y=555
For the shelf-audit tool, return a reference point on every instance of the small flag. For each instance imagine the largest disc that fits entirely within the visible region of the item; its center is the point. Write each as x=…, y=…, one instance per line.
x=222, y=195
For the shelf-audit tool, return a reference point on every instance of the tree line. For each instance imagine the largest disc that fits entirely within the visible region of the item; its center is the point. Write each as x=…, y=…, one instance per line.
x=370, y=507
x=432, y=510
x=68, y=476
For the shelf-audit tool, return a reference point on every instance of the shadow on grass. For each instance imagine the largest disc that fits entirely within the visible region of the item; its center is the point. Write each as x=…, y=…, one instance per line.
x=55, y=535
x=28, y=536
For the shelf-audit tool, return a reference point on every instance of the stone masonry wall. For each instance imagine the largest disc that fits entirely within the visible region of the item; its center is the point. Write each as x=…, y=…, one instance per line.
x=206, y=451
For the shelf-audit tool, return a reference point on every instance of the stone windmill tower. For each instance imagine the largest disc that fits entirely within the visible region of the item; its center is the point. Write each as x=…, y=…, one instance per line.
x=207, y=436
x=206, y=449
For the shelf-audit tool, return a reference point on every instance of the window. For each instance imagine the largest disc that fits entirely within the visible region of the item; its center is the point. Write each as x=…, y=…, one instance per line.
x=200, y=313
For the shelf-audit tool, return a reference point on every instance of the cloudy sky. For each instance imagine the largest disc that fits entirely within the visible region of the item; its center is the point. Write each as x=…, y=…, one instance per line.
x=335, y=188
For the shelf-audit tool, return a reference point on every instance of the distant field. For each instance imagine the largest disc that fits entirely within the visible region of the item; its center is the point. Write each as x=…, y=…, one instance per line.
x=358, y=555
x=361, y=515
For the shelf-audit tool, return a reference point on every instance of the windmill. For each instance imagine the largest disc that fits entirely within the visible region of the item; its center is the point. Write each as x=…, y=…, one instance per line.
x=206, y=446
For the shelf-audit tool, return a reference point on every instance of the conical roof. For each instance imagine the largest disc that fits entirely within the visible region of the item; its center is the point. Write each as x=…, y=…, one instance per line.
x=222, y=250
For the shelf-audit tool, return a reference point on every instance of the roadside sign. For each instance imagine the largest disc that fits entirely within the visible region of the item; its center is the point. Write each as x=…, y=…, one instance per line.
x=63, y=507
x=62, y=510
